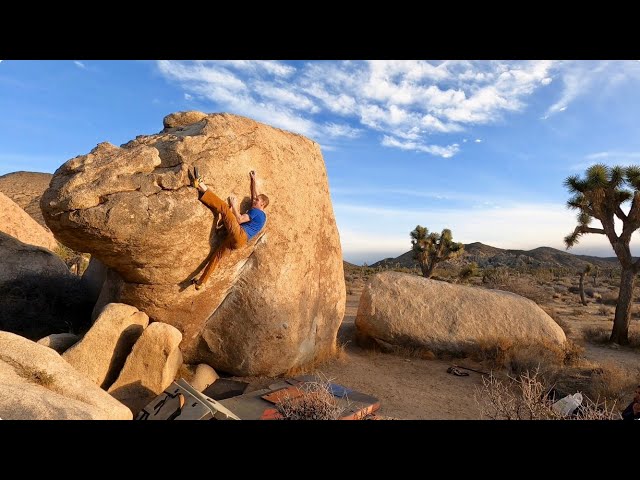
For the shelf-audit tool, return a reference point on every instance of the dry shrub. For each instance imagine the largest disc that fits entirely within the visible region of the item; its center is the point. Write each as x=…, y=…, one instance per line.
x=518, y=357
x=577, y=312
x=604, y=311
x=601, y=335
x=609, y=298
x=597, y=335
x=573, y=353
x=316, y=403
x=612, y=381
x=527, y=397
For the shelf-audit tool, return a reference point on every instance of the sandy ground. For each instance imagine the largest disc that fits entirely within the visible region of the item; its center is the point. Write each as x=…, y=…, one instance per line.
x=408, y=388
x=415, y=388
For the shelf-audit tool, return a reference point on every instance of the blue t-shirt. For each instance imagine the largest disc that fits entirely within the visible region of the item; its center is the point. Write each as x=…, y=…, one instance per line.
x=252, y=227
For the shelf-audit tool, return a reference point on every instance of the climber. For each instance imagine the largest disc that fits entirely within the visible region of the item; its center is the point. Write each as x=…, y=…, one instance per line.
x=240, y=228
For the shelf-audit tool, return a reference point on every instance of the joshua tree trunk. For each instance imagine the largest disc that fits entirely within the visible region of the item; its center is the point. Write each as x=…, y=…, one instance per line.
x=584, y=302
x=620, y=332
x=427, y=269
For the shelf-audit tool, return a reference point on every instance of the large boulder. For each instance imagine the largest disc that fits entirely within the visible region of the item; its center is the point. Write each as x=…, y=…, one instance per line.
x=411, y=311
x=26, y=188
x=150, y=368
x=37, y=384
x=102, y=352
x=272, y=305
x=38, y=295
x=60, y=342
x=16, y=222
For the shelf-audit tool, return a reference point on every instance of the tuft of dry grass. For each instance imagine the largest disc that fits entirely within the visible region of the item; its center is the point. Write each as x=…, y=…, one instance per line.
x=35, y=375
x=316, y=403
x=527, y=397
x=612, y=381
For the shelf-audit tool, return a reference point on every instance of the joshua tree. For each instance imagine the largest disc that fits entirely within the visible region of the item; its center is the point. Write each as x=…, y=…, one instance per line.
x=586, y=271
x=431, y=248
x=600, y=195
x=595, y=272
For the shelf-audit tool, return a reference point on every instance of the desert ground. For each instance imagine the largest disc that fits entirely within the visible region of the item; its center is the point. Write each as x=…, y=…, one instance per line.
x=416, y=385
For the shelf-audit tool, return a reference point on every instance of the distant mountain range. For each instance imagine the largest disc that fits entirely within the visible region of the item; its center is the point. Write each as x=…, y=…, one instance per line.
x=488, y=256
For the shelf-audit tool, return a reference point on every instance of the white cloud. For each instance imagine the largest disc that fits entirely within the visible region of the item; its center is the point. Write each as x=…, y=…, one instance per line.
x=404, y=100
x=341, y=130
x=477, y=140
x=187, y=96
x=445, y=152
x=79, y=64
x=582, y=77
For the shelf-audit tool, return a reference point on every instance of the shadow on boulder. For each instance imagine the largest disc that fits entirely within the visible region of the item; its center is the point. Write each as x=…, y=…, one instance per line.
x=35, y=306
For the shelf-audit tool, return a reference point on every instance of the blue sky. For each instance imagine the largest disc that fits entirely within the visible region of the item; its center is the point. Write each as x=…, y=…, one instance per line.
x=480, y=147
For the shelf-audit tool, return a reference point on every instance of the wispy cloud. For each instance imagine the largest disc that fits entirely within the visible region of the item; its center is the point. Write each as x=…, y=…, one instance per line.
x=477, y=140
x=79, y=64
x=581, y=77
x=445, y=152
x=188, y=97
x=403, y=101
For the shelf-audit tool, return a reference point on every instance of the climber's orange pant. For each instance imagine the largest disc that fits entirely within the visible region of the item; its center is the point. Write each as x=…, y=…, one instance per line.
x=236, y=237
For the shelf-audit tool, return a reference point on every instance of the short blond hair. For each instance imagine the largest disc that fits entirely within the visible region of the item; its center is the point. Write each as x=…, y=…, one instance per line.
x=264, y=199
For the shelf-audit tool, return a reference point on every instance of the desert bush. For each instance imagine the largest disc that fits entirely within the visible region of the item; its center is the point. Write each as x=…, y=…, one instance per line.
x=604, y=311
x=560, y=289
x=528, y=397
x=496, y=276
x=544, y=275
x=609, y=298
x=76, y=262
x=468, y=271
x=316, y=403
x=577, y=312
x=596, y=335
x=612, y=381
x=573, y=353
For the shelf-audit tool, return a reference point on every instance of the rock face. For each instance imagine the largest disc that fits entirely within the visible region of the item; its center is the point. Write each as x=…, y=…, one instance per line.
x=407, y=310
x=60, y=342
x=150, y=368
x=38, y=295
x=102, y=352
x=16, y=222
x=26, y=188
x=272, y=305
x=37, y=384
